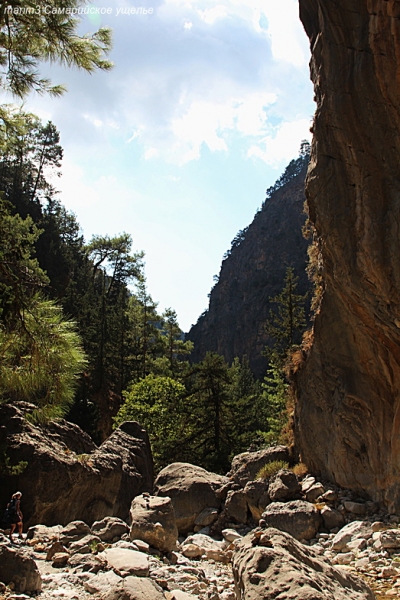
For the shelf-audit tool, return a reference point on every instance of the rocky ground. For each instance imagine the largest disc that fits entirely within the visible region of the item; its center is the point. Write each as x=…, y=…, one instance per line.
x=369, y=548
x=207, y=537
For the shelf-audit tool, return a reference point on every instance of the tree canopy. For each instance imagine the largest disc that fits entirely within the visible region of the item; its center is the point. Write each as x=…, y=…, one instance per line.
x=32, y=32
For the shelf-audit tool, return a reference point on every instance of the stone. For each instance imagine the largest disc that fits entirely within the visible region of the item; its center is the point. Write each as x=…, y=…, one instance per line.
x=135, y=588
x=230, y=535
x=257, y=497
x=102, y=582
x=329, y=496
x=60, y=559
x=43, y=533
x=332, y=518
x=17, y=568
x=191, y=489
x=236, y=506
x=73, y=532
x=390, y=538
x=85, y=545
x=88, y=562
x=286, y=568
x=141, y=545
x=245, y=466
x=53, y=549
x=348, y=380
x=356, y=508
x=206, y=517
x=314, y=492
x=180, y=595
x=109, y=528
x=284, y=486
x=351, y=531
x=127, y=561
x=69, y=478
x=298, y=518
x=153, y=521
x=192, y=551
x=205, y=542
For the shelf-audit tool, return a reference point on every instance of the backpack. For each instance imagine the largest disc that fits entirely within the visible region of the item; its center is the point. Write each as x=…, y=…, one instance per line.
x=12, y=507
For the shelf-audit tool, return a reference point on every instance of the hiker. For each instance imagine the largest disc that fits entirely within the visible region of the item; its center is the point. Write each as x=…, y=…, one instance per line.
x=15, y=514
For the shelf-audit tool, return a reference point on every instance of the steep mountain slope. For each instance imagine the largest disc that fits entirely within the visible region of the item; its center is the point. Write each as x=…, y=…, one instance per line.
x=252, y=273
x=348, y=409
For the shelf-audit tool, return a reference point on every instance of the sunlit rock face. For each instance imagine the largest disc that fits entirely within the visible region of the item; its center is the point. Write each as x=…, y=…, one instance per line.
x=234, y=324
x=348, y=388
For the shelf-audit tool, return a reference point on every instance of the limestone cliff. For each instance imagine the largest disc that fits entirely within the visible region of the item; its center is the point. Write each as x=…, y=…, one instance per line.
x=234, y=324
x=348, y=389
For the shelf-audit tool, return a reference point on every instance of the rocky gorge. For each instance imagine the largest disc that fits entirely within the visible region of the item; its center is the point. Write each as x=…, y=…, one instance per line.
x=193, y=534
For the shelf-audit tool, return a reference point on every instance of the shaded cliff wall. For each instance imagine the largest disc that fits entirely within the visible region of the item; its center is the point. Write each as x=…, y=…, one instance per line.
x=239, y=306
x=347, y=413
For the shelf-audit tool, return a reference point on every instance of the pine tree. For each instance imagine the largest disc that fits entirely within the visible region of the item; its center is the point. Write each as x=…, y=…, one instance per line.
x=32, y=32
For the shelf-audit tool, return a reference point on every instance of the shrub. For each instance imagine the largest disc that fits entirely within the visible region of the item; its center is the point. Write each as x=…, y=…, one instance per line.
x=300, y=470
x=271, y=469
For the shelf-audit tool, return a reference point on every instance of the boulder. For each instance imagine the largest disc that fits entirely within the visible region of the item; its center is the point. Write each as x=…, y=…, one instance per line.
x=153, y=521
x=349, y=533
x=126, y=562
x=271, y=564
x=109, y=528
x=85, y=545
x=74, y=531
x=101, y=583
x=257, y=497
x=43, y=533
x=55, y=548
x=284, y=486
x=236, y=506
x=314, y=492
x=60, y=559
x=206, y=517
x=69, y=477
x=245, y=466
x=18, y=568
x=135, y=588
x=191, y=489
x=298, y=518
x=332, y=518
x=88, y=562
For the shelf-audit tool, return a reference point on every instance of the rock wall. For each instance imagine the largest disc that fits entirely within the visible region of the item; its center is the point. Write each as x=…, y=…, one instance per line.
x=348, y=389
x=67, y=476
x=239, y=307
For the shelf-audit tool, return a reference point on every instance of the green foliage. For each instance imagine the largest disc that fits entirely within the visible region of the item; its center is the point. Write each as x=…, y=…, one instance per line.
x=33, y=31
x=6, y=468
x=287, y=322
x=285, y=327
x=20, y=274
x=296, y=167
x=158, y=404
x=41, y=359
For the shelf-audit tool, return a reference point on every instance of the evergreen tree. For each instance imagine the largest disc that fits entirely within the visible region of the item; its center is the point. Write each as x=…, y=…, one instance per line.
x=285, y=327
x=32, y=32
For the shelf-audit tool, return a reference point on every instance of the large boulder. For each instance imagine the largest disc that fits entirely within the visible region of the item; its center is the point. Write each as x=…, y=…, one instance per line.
x=298, y=518
x=271, y=564
x=284, y=486
x=109, y=528
x=245, y=466
x=21, y=570
x=135, y=588
x=191, y=489
x=257, y=497
x=153, y=521
x=67, y=477
x=126, y=562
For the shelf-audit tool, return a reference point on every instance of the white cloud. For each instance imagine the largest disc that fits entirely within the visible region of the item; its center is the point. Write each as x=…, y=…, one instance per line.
x=210, y=15
x=284, y=145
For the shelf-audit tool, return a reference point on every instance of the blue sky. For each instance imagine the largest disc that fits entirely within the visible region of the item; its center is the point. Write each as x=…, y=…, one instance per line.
x=206, y=104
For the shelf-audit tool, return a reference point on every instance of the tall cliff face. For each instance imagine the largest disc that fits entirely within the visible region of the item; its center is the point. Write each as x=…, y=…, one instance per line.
x=239, y=306
x=348, y=407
